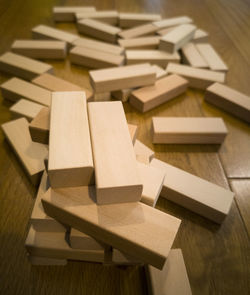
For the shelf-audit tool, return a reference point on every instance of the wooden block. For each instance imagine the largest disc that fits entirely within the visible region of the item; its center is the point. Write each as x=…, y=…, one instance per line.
x=98, y=30
x=149, y=97
x=103, y=96
x=172, y=280
x=40, y=48
x=79, y=240
x=22, y=66
x=133, y=131
x=121, y=258
x=138, y=31
x=160, y=73
x=197, y=78
x=122, y=78
x=140, y=43
x=200, y=36
x=212, y=57
x=67, y=13
x=141, y=149
x=180, y=130
x=129, y=20
x=192, y=56
x=96, y=59
x=70, y=154
x=116, y=174
x=15, y=88
x=39, y=126
x=25, y=108
x=31, y=154
x=122, y=94
x=106, y=16
x=194, y=193
x=36, y=260
x=132, y=228
x=174, y=21
x=229, y=100
x=178, y=37
x=165, y=31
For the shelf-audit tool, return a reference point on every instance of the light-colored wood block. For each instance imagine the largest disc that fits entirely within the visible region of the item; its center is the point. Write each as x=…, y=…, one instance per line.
x=140, y=43
x=31, y=154
x=39, y=126
x=174, y=21
x=15, y=89
x=165, y=31
x=79, y=240
x=122, y=94
x=200, y=36
x=22, y=66
x=142, y=151
x=106, y=16
x=149, y=97
x=26, y=108
x=129, y=20
x=192, y=56
x=181, y=130
x=229, y=100
x=138, y=31
x=121, y=258
x=70, y=153
x=67, y=13
x=160, y=73
x=116, y=174
x=36, y=260
x=133, y=129
x=198, y=78
x=172, y=279
x=194, y=193
x=132, y=228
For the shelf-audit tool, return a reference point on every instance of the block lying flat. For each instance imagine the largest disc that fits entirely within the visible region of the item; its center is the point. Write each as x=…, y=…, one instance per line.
x=26, y=108
x=165, y=31
x=174, y=21
x=160, y=73
x=200, y=36
x=70, y=154
x=39, y=126
x=178, y=130
x=198, y=78
x=37, y=260
x=79, y=240
x=229, y=100
x=133, y=227
x=138, y=31
x=106, y=16
x=22, y=66
x=133, y=131
x=143, y=153
x=192, y=56
x=140, y=43
x=31, y=154
x=149, y=97
x=129, y=20
x=116, y=174
x=67, y=13
x=194, y=193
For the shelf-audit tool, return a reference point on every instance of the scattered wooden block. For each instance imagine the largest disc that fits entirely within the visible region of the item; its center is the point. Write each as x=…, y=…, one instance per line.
x=138, y=31
x=173, y=21
x=198, y=78
x=121, y=258
x=165, y=31
x=180, y=130
x=194, y=193
x=36, y=260
x=67, y=13
x=106, y=16
x=122, y=94
x=143, y=152
x=229, y=100
x=79, y=240
x=160, y=73
x=149, y=97
x=200, y=36
x=192, y=56
x=133, y=131
x=39, y=126
x=25, y=108
x=129, y=20
x=103, y=96
x=70, y=154
x=31, y=154
x=22, y=66
x=133, y=227
x=116, y=174
x=140, y=43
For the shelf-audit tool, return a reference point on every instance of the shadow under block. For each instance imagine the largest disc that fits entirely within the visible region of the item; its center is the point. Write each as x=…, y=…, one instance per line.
x=138, y=31
x=181, y=130
x=229, y=100
x=129, y=20
x=31, y=154
x=26, y=108
x=149, y=97
x=15, y=89
x=133, y=131
x=140, y=43
x=116, y=175
x=122, y=77
x=39, y=126
x=22, y=66
x=79, y=240
x=173, y=21
x=194, y=193
x=172, y=279
x=143, y=152
x=37, y=260
x=107, y=16
x=70, y=153
x=192, y=56
x=133, y=227
x=198, y=78
x=67, y=13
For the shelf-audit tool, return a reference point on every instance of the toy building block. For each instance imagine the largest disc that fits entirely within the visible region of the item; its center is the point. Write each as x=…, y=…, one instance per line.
x=143, y=153
x=25, y=108
x=107, y=16
x=173, y=21
x=67, y=13
x=192, y=56
x=139, y=31
x=140, y=43
x=129, y=20
x=39, y=126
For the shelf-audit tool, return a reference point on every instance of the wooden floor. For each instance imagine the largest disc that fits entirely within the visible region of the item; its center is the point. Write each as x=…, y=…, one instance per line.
x=217, y=257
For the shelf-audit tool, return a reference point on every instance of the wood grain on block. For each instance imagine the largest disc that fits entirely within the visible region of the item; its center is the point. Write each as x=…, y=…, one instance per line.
x=200, y=36
x=129, y=20
x=173, y=21
x=79, y=240
x=96, y=59
x=22, y=66
x=37, y=260
x=39, y=126
x=15, y=89
x=149, y=97
x=106, y=16
x=140, y=43
x=172, y=279
x=98, y=30
x=133, y=227
x=70, y=156
x=229, y=100
x=121, y=258
x=194, y=193
x=198, y=78
x=116, y=174
x=192, y=56
x=67, y=13
x=133, y=131
x=138, y=31
x=40, y=48
x=178, y=37
x=180, y=130
x=122, y=94
x=31, y=154
x=26, y=108
x=122, y=77
x=141, y=150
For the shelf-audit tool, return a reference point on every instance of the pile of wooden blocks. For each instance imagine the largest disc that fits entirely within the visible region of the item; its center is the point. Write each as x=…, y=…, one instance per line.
x=98, y=183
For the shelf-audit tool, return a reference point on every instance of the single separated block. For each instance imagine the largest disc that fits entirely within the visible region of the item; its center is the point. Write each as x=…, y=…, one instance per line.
x=70, y=154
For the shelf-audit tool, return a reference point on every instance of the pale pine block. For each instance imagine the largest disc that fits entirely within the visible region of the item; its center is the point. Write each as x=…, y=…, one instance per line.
x=107, y=16
x=142, y=151
x=138, y=31
x=129, y=20
x=140, y=43
x=160, y=73
x=26, y=108
x=133, y=131
x=200, y=36
x=67, y=13
x=143, y=159
x=39, y=126
x=165, y=31
x=192, y=56
x=42, y=261
x=174, y=21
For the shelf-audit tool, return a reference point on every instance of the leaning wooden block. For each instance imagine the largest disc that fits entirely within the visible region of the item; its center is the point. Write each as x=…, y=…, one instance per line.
x=39, y=126
x=229, y=100
x=26, y=108
x=198, y=78
x=129, y=20
x=143, y=152
x=79, y=240
x=116, y=174
x=192, y=56
x=200, y=36
x=138, y=31
x=31, y=154
x=22, y=66
x=149, y=97
x=140, y=43
x=70, y=153
x=133, y=131
x=37, y=260
x=133, y=227
x=67, y=13
x=194, y=193
x=174, y=21
x=106, y=16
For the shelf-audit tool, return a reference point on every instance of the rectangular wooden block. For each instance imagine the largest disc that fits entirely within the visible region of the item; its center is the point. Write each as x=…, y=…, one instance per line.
x=198, y=78
x=132, y=228
x=180, y=130
x=42, y=261
x=22, y=66
x=229, y=100
x=133, y=131
x=173, y=21
x=143, y=152
x=160, y=73
x=116, y=174
x=149, y=97
x=106, y=16
x=39, y=126
x=200, y=36
x=26, y=108
x=79, y=240
x=121, y=258
x=67, y=13
x=165, y=31
x=194, y=193
x=129, y=20
x=192, y=56
x=140, y=43
x=138, y=31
